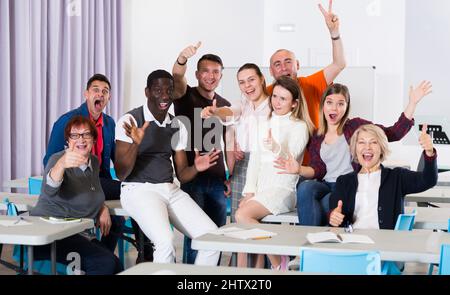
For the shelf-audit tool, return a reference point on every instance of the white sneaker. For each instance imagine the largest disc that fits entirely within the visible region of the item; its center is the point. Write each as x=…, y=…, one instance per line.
x=294, y=264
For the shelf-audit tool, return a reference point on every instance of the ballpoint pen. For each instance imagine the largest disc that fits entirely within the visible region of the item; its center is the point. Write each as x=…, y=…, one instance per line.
x=261, y=238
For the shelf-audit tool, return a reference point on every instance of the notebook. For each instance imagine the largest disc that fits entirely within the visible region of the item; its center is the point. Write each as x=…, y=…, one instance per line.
x=245, y=234
x=331, y=237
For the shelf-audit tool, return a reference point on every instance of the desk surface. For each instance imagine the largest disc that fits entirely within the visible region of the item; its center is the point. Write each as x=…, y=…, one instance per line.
x=23, y=202
x=149, y=268
x=18, y=183
x=426, y=218
x=40, y=232
x=444, y=178
x=439, y=194
x=416, y=246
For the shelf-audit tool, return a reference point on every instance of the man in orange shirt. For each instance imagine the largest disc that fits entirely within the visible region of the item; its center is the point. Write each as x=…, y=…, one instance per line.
x=284, y=63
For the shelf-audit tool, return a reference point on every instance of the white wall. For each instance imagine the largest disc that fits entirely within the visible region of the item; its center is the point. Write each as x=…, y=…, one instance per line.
x=159, y=30
x=245, y=31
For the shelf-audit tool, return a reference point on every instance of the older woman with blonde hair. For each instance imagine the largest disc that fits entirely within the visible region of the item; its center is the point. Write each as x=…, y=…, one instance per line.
x=373, y=197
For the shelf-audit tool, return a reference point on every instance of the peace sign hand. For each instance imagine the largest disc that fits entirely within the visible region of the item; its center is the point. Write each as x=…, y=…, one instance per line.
x=331, y=19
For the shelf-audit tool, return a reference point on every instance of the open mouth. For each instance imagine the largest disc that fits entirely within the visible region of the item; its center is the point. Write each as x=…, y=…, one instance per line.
x=367, y=157
x=333, y=116
x=81, y=147
x=164, y=105
x=98, y=104
x=250, y=92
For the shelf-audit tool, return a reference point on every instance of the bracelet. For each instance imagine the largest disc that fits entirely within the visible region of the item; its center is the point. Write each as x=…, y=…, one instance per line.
x=182, y=64
x=336, y=38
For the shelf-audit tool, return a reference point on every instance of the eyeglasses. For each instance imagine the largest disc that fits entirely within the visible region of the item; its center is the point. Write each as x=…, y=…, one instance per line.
x=76, y=136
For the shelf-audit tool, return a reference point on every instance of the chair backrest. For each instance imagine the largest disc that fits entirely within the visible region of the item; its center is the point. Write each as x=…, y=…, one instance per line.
x=444, y=264
x=339, y=262
x=405, y=221
x=34, y=186
x=112, y=171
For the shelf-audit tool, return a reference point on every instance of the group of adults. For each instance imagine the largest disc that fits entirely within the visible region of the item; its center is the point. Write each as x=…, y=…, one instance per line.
x=289, y=145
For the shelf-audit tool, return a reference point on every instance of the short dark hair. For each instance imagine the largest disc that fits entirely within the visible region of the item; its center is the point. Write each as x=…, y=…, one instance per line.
x=98, y=77
x=80, y=121
x=210, y=57
x=158, y=74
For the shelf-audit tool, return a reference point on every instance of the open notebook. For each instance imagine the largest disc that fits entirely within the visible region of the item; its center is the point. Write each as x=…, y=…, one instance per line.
x=331, y=237
x=245, y=234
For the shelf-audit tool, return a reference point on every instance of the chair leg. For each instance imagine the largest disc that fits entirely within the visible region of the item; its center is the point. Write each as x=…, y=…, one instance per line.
x=430, y=269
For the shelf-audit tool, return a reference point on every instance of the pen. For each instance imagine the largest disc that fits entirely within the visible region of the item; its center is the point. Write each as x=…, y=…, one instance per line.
x=261, y=238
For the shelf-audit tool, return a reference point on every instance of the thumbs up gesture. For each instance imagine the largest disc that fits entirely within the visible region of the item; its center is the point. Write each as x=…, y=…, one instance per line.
x=336, y=216
x=426, y=142
x=188, y=52
x=270, y=143
x=210, y=111
x=72, y=159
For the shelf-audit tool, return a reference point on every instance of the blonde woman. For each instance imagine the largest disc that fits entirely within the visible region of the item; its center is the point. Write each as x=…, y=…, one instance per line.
x=373, y=197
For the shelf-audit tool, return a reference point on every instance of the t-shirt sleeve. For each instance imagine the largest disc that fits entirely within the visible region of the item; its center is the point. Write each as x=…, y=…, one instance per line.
x=180, y=140
x=120, y=131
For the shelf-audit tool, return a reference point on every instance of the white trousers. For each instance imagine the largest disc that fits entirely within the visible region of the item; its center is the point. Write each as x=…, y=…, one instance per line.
x=156, y=206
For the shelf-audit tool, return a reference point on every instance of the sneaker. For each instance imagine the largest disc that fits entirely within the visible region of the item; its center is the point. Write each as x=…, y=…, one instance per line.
x=294, y=264
x=283, y=264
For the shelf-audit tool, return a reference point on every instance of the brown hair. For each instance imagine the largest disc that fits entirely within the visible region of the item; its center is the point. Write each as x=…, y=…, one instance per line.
x=333, y=89
x=379, y=135
x=78, y=121
x=300, y=112
x=251, y=66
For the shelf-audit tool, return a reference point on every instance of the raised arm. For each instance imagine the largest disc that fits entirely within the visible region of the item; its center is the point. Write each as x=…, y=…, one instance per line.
x=415, y=96
x=129, y=137
x=333, y=24
x=180, y=67
x=415, y=182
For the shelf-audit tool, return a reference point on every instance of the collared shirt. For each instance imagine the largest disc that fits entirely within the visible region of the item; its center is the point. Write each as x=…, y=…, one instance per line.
x=366, y=201
x=148, y=117
x=248, y=118
x=97, y=148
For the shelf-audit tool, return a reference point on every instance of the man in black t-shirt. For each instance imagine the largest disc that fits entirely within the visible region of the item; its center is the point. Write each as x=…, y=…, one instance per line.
x=207, y=189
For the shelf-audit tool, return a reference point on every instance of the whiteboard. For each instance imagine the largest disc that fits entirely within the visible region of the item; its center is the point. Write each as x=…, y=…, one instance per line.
x=359, y=80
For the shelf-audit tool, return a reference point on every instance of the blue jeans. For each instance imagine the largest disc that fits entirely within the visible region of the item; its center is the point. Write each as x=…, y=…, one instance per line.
x=208, y=193
x=313, y=202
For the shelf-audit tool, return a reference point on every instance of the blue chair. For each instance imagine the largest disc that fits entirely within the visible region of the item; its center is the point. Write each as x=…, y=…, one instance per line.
x=404, y=222
x=446, y=260
x=444, y=264
x=34, y=186
x=339, y=262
